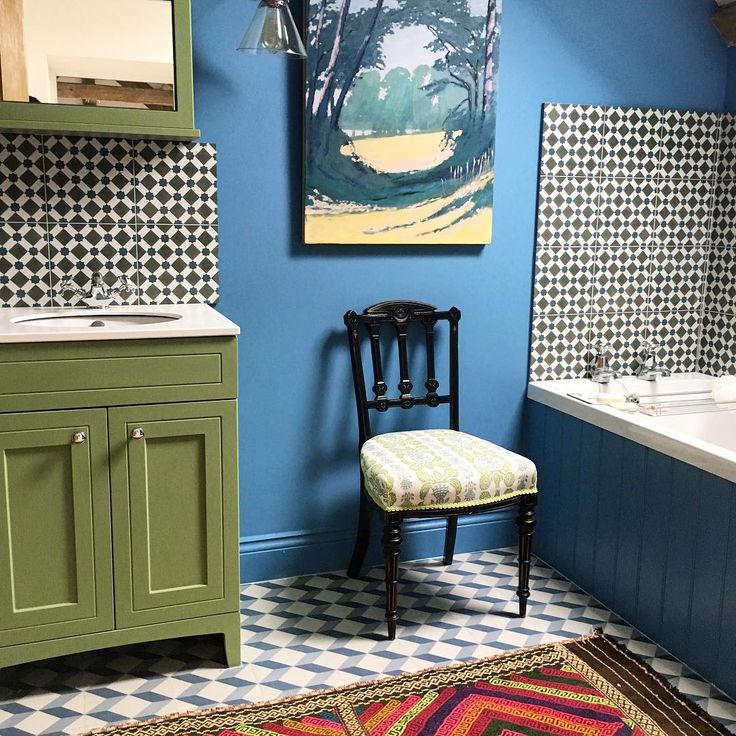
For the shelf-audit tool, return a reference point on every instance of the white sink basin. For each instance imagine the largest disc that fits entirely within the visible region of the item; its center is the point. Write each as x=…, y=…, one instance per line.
x=117, y=322
x=94, y=319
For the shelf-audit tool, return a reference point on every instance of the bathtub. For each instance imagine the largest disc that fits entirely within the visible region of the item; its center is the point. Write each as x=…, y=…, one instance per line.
x=706, y=440
x=640, y=511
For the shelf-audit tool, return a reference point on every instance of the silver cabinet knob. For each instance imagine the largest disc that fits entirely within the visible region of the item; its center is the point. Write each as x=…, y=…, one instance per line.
x=138, y=433
x=79, y=437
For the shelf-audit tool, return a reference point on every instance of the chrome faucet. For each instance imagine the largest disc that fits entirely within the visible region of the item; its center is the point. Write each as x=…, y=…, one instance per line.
x=602, y=372
x=649, y=370
x=98, y=295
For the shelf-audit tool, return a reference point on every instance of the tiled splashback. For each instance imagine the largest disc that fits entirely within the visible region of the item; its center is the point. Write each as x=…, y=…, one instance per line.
x=718, y=345
x=637, y=219
x=143, y=209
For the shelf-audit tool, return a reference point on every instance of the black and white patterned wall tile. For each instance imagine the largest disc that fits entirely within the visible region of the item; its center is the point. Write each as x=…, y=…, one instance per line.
x=622, y=279
x=633, y=204
x=564, y=278
x=176, y=183
x=78, y=249
x=717, y=353
x=724, y=213
x=677, y=335
x=89, y=180
x=560, y=345
x=633, y=142
x=178, y=263
x=624, y=332
x=22, y=183
x=678, y=278
x=572, y=140
x=25, y=278
x=569, y=209
x=627, y=212
x=690, y=142
x=685, y=209
x=727, y=148
x=720, y=296
x=146, y=210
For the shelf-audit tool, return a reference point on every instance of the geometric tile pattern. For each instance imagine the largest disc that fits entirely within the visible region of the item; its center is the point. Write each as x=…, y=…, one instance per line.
x=636, y=238
x=727, y=148
x=724, y=213
x=633, y=142
x=77, y=249
x=690, y=144
x=718, y=334
x=24, y=259
x=178, y=262
x=721, y=289
x=717, y=355
x=146, y=210
x=572, y=140
x=321, y=631
x=176, y=183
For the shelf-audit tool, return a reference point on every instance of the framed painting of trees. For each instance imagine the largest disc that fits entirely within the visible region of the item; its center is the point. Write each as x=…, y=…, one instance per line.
x=400, y=121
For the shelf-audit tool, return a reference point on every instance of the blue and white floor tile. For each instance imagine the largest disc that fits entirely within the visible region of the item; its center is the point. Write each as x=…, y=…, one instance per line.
x=322, y=631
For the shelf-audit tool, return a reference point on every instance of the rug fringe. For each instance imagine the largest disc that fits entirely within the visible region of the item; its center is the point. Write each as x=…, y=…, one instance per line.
x=694, y=708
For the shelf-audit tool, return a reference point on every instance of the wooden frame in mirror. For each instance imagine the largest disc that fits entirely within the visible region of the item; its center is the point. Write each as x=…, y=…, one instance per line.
x=147, y=93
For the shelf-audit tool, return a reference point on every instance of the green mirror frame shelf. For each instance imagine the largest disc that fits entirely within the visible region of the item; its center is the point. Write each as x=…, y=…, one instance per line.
x=108, y=121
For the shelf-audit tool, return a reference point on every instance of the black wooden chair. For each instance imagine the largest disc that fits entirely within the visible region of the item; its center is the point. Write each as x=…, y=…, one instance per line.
x=427, y=473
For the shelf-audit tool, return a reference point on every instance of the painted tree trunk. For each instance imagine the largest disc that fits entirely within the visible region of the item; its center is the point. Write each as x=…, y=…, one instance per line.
x=329, y=83
x=315, y=72
x=357, y=65
x=491, y=36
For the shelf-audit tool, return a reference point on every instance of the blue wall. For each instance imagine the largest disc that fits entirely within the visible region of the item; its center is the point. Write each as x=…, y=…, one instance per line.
x=730, y=103
x=298, y=438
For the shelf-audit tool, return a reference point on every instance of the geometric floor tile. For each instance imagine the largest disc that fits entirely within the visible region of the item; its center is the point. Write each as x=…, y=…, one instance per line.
x=321, y=631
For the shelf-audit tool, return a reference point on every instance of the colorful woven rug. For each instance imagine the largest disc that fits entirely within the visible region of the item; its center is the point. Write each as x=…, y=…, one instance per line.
x=584, y=687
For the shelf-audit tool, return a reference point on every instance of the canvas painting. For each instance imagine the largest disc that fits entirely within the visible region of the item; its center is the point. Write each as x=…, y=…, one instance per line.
x=401, y=120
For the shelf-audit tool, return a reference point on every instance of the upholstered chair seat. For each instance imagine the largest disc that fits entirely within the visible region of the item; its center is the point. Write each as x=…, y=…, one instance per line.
x=441, y=469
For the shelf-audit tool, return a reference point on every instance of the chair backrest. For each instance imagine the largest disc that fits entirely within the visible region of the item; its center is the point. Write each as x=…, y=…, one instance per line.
x=398, y=315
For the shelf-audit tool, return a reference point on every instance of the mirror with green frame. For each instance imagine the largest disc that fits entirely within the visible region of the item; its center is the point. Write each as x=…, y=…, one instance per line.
x=109, y=67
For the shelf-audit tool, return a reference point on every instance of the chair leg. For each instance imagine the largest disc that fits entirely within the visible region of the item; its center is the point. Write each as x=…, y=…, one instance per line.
x=525, y=521
x=391, y=547
x=364, y=534
x=450, y=536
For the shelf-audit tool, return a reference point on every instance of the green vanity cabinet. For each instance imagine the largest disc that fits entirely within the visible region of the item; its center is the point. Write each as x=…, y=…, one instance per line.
x=118, y=520
x=170, y=467
x=55, y=549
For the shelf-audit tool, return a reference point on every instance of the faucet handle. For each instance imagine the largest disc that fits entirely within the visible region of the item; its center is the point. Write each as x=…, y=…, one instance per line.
x=65, y=284
x=124, y=285
x=651, y=349
x=601, y=372
x=602, y=354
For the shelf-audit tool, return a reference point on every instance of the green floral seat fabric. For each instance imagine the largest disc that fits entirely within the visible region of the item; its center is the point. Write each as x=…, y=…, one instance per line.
x=441, y=469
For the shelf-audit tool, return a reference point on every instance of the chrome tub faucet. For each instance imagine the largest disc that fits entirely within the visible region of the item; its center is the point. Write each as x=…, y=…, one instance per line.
x=98, y=295
x=649, y=369
x=602, y=372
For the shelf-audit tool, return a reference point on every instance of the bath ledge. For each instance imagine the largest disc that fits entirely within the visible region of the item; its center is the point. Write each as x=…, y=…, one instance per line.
x=707, y=440
x=59, y=324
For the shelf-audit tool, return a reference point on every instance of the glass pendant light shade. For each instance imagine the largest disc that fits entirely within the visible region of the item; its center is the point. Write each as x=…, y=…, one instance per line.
x=273, y=31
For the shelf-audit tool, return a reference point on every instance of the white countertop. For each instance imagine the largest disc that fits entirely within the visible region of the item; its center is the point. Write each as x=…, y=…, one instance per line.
x=195, y=320
x=707, y=441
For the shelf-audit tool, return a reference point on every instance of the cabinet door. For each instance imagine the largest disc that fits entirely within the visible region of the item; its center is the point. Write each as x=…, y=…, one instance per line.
x=174, y=505
x=55, y=551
